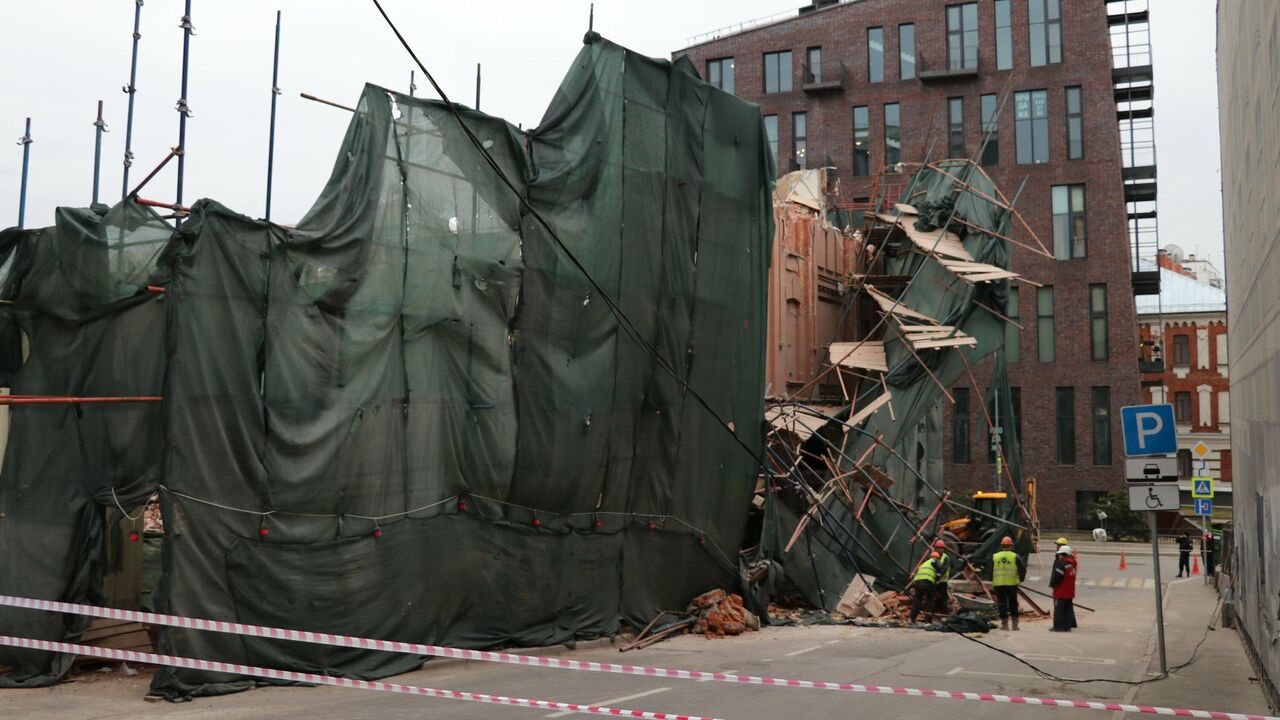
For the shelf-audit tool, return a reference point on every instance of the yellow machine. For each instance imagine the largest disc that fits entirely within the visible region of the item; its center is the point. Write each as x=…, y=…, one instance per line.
x=984, y=519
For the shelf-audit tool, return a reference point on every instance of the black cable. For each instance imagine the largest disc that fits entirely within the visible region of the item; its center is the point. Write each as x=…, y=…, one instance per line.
x=1076, y=681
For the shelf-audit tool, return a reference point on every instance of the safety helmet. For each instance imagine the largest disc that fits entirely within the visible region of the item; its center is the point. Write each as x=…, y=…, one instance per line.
x=1006, y=540
x=939, y=544
x=934, y=555
x=1064, y=550
x=1060, y=541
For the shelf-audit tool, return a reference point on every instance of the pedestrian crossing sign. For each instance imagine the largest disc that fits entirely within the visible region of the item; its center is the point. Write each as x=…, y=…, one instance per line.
x=1201, y=487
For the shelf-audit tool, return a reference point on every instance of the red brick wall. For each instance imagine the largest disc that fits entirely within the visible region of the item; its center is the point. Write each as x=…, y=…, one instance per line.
x=841, y=32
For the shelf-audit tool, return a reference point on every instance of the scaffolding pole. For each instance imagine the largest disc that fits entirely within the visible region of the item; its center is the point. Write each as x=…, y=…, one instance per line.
x=100, y=126
x=184, y=110
x=275, y=95
x=25, y=142
x=131, y=89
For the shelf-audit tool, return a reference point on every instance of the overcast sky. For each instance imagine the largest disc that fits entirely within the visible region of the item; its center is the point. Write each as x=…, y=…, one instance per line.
x=61, y=56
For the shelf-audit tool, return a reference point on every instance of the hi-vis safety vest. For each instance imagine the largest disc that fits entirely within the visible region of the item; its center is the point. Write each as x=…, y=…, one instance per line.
x=926, y=572
x=1004, y=568
x=944, y=562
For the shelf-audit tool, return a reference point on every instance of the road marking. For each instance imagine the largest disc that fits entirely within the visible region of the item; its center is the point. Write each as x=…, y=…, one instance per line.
x=962, y=671
x=1135, y=583
x=1068, y=658
x=647, y=693
x=790, y=654
x=1149, y=584
x=1090, y=583
x=1106, y=582
x=831, y=642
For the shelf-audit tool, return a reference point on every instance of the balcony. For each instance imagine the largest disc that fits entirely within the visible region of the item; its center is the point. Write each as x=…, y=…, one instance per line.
x=1146, y=282
x=1151, y=366
x=935, y=69
x=825, y=78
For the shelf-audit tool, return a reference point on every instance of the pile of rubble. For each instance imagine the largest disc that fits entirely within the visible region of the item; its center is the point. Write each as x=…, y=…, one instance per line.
x=717, y=614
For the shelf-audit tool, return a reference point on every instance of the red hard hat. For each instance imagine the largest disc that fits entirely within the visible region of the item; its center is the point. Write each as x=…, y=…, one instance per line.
x=1006, y=540
x=939, y=544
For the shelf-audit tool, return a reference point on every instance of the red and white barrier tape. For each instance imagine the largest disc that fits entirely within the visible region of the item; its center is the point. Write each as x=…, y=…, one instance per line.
x=566, y=664
x=302, y=677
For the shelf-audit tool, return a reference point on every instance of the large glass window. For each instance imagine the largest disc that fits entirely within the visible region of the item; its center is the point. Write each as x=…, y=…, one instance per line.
x=861, y=142
x=771, y=132
x=1181, y=350
x=907, y=51
x=955, y=127
x=1102, y=426
x=1012, y=335
x=875, y=54
x=892, y=134
x=990, y=131
x=1004, y=35
x=1098, y=346
x=1069, y=239
x=1045, y=20
x=1182, y=407
x=720, y=73
x=1075, y=124
x=777, y=72
x=1066, y=415
x=962, y=36
x=960, y=426
x=799, y=140
x=813, y=65
x=1031, y=126
x=1044, y=323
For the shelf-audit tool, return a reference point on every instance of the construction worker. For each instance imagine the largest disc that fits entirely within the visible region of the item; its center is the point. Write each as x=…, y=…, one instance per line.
x=1007, y=572
x=1063, y=582
x=922, y=586
x=941, y=598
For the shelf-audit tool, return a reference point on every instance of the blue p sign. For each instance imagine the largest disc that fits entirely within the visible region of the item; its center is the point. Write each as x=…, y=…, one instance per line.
x=1148, y=430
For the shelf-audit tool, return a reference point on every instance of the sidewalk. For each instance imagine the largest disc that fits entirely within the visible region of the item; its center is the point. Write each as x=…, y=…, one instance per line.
x=1221, y=675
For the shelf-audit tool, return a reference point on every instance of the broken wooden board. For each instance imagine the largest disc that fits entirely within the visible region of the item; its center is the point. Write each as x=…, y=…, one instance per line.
x=871, y=407
x=866, y=355
x=893, y=307
x=935, y=242
x=976, y=272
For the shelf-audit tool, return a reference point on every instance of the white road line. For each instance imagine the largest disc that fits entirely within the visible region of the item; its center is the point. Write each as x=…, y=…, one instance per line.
x=962, y=671
x=1068, y=658
x=801, y=652
x=612, y=701
x=831, y=642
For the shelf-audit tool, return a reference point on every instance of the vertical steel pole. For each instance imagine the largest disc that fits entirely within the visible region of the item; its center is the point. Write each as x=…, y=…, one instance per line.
x=101, y=127
x=477, y=86
x=25, y=142
x=275, y=94
x=130, y=89
x=591, y=18
x=413, y=86
x=1155, y=561
x=184, y=110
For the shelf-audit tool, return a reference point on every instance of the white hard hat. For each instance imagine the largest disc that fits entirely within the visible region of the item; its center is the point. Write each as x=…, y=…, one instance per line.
x=1065, y=550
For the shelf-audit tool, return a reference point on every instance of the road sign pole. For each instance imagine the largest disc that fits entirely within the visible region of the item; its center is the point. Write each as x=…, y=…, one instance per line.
x=1155, y=562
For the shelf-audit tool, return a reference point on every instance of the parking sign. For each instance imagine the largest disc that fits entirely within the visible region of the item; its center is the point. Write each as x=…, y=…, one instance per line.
x=1148, y=430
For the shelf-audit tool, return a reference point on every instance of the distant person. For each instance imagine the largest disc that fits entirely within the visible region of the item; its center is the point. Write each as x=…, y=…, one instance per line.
x=1007, y=571
x=941, y=598
x=1063, y=582
x=1184, y=555
x=922, y=587
x=1208, y=555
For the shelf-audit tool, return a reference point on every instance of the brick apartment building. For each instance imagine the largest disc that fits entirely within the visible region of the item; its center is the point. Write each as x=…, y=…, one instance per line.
x=860, y=85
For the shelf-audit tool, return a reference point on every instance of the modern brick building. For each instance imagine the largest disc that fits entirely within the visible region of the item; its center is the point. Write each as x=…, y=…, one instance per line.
x=1064, y=87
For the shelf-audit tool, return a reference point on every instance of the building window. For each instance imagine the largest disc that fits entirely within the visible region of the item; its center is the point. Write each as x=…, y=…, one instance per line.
x=720, y=73
x=1012, y=335
x=1075, y=124
x=777, y=72
x=771, y=132
x=960, y=426
x=1182, y=407
x=907, y=51
x=1016, y=397
x=1045, y=18
x=955, y=127
x=1066, y=402
x=1069, y=222
x=1098, y=347
x=813, y=65
x=1031, y=126
x=892, y=135
x=990, y=131
x=1044, y=323
x=1086, y=516
x=1184, y=464
x=1004, y=35
x=799, y=140
x=875, y=54
x=1102, y=426
x=1181, y=350
x=861, y=142
x=962, y=36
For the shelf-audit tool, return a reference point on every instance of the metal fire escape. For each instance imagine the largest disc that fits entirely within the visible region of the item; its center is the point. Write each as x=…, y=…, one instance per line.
x=1134, y=87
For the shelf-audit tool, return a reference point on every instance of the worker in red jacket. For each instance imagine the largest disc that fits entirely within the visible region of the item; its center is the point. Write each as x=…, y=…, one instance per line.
x=1063, y=582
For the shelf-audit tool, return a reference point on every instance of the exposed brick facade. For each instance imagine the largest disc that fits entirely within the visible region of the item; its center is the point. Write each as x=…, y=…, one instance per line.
x=841, y=32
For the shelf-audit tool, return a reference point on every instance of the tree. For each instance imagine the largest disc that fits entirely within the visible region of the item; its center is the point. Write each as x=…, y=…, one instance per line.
x=1122, y=523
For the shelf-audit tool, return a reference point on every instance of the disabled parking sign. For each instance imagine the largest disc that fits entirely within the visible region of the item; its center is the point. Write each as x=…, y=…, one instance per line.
x=1148, y=430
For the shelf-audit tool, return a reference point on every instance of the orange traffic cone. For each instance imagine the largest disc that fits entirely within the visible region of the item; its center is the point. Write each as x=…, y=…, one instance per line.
x=1123, y=564
x=1195, y=564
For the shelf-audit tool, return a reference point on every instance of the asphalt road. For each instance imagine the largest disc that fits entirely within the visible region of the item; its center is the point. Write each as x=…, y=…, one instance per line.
x=1114, y=642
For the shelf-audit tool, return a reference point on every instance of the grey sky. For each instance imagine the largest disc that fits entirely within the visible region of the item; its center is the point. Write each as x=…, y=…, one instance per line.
x=61, y=56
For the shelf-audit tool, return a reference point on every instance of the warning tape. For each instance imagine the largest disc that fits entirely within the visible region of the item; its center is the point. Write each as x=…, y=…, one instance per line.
x=591, y=666
x=303, y=677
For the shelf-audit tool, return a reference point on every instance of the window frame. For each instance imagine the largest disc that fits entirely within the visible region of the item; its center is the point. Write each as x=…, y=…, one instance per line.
x=1065, y=425
x=1178, y=415
x=1102, y=425
x=962, y=425
x=955, y=128
x=1003, y=35
x=785, y=81
x=1012, y=334
x=1075, y=122
x=1031, y=131
x=1045, y=320
x=1098, y=316
x=1041, y=39
x=1071, y=224
x=960, y=36
x=865, y=153
x=719, y=65
x=875, y=71
x=809, y=76
x=990, y=129
x=773, y=141
x=895, y=136
x=907, y=52
x=799, y=140
x=1182, y=347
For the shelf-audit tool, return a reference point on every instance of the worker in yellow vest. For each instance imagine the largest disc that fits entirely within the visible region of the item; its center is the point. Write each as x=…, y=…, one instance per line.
x=1007, y=572
x=941, y=600
x=922, y=587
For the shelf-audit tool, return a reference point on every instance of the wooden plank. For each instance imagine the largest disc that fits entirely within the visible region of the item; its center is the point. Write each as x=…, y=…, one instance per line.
x=945, y=342
x=987, y=277
x=906, y=209
x=138, y=640
x=871, y=407
x=888, y=305
x=867, y=355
